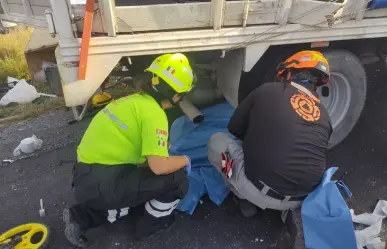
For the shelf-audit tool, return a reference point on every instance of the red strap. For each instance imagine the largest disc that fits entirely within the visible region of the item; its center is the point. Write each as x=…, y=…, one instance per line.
x=86, y=35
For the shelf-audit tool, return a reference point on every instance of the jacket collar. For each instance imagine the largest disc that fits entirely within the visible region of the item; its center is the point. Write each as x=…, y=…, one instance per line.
x=305, y=90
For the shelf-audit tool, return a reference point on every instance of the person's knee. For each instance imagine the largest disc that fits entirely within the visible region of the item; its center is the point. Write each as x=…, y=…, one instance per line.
x=217, y=144
x=218, y=137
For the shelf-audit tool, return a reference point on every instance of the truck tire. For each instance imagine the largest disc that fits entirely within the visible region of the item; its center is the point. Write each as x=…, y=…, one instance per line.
x=347, y=90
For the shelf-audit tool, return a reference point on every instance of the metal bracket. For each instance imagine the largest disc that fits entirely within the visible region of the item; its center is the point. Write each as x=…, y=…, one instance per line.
x=246, y=13
x=217, y=10
x=284, y=8
x=80, y=115
x=252, y=53
x=330, y=20
x=108, y=13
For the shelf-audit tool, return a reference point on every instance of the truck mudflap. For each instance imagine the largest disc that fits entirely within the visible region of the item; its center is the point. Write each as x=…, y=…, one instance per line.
x=229, y=71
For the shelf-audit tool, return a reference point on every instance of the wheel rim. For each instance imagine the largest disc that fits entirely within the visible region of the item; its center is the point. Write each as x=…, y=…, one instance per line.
x=338, y=101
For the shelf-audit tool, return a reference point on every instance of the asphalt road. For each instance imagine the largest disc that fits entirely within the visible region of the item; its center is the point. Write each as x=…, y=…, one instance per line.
x=46, y=175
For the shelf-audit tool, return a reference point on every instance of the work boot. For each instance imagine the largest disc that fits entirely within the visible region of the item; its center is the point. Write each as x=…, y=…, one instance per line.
x=149, y=227
x=73, y=232
x=248, y=209
x=293, y=222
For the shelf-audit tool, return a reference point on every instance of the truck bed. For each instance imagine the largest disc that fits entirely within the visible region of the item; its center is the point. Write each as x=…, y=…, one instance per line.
x=162, y=15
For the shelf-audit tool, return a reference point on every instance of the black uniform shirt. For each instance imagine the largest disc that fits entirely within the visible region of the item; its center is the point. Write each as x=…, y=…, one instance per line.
x=285, y=134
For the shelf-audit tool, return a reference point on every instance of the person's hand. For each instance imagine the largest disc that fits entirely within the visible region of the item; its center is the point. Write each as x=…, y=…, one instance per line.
x=188, y=167
x=176, y=98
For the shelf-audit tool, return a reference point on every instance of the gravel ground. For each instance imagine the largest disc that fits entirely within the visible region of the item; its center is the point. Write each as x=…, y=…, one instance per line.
x=46, y=175
x=52, y=128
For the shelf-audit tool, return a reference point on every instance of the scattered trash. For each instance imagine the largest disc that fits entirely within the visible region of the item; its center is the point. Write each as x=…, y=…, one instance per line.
x=42, y=212
x=368, y=237
x=12, y=81
x=261, y=240
x=22, y=93
x=4, y=88
x=8, y=161
x=28, y=145
x=256, y=240
x=48, y=95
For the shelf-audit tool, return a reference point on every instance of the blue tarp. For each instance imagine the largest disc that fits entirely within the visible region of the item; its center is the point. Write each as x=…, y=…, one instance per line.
x=377, y=4
x=191, y=139
x=326, y=218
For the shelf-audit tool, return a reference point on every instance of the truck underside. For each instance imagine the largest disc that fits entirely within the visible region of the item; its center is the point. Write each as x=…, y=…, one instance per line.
x=242, y=41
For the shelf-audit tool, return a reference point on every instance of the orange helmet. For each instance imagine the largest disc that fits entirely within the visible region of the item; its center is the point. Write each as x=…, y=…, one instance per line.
x=313, y=60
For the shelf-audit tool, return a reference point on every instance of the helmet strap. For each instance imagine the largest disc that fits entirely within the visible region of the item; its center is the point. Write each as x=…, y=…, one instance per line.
x=304, y=77
x=163, y=90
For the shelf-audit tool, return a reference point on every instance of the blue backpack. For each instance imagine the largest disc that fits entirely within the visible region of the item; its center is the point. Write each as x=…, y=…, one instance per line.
x=326, y=219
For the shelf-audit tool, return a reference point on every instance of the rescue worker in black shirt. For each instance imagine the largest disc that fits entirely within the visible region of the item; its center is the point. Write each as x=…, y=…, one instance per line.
x=284, y=132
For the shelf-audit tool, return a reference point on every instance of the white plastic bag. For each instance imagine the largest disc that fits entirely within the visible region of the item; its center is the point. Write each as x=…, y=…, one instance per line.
x=11, y=80
x=369, y=237
x=22, y=93
x=28, y=145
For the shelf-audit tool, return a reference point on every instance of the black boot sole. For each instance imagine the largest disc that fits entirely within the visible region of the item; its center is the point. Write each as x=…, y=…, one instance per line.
x=295, y=229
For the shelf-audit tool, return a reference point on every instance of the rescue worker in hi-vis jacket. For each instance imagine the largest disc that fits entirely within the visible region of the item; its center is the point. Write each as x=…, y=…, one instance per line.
x=129, y=132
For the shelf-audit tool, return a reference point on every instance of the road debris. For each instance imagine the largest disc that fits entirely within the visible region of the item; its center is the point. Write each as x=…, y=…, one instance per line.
x=28, y=145
x=22, y=93
x=8, y=161
x=369, y=237
x=42, y=212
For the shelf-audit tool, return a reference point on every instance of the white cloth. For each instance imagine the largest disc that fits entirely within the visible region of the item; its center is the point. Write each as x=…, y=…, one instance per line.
x=369, y=237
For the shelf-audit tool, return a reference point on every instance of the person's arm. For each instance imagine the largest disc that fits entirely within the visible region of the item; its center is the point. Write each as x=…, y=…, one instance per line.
x=154, y=131
x=161, y=165
x=239, y=121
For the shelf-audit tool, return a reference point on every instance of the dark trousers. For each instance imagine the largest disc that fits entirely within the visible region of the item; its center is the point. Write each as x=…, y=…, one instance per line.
x=105, y=193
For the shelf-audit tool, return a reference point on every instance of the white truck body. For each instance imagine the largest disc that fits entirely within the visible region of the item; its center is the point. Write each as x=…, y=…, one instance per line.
x=242, y=30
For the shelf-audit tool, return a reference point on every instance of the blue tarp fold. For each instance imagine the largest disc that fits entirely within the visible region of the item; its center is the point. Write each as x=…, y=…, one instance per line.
x=326, y=219
x=191, y=139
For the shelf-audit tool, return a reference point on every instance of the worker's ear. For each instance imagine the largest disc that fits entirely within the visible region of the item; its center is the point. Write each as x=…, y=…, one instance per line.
x=288, y=75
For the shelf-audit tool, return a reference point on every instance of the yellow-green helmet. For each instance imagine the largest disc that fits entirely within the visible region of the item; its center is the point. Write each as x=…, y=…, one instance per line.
x=175, y=70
